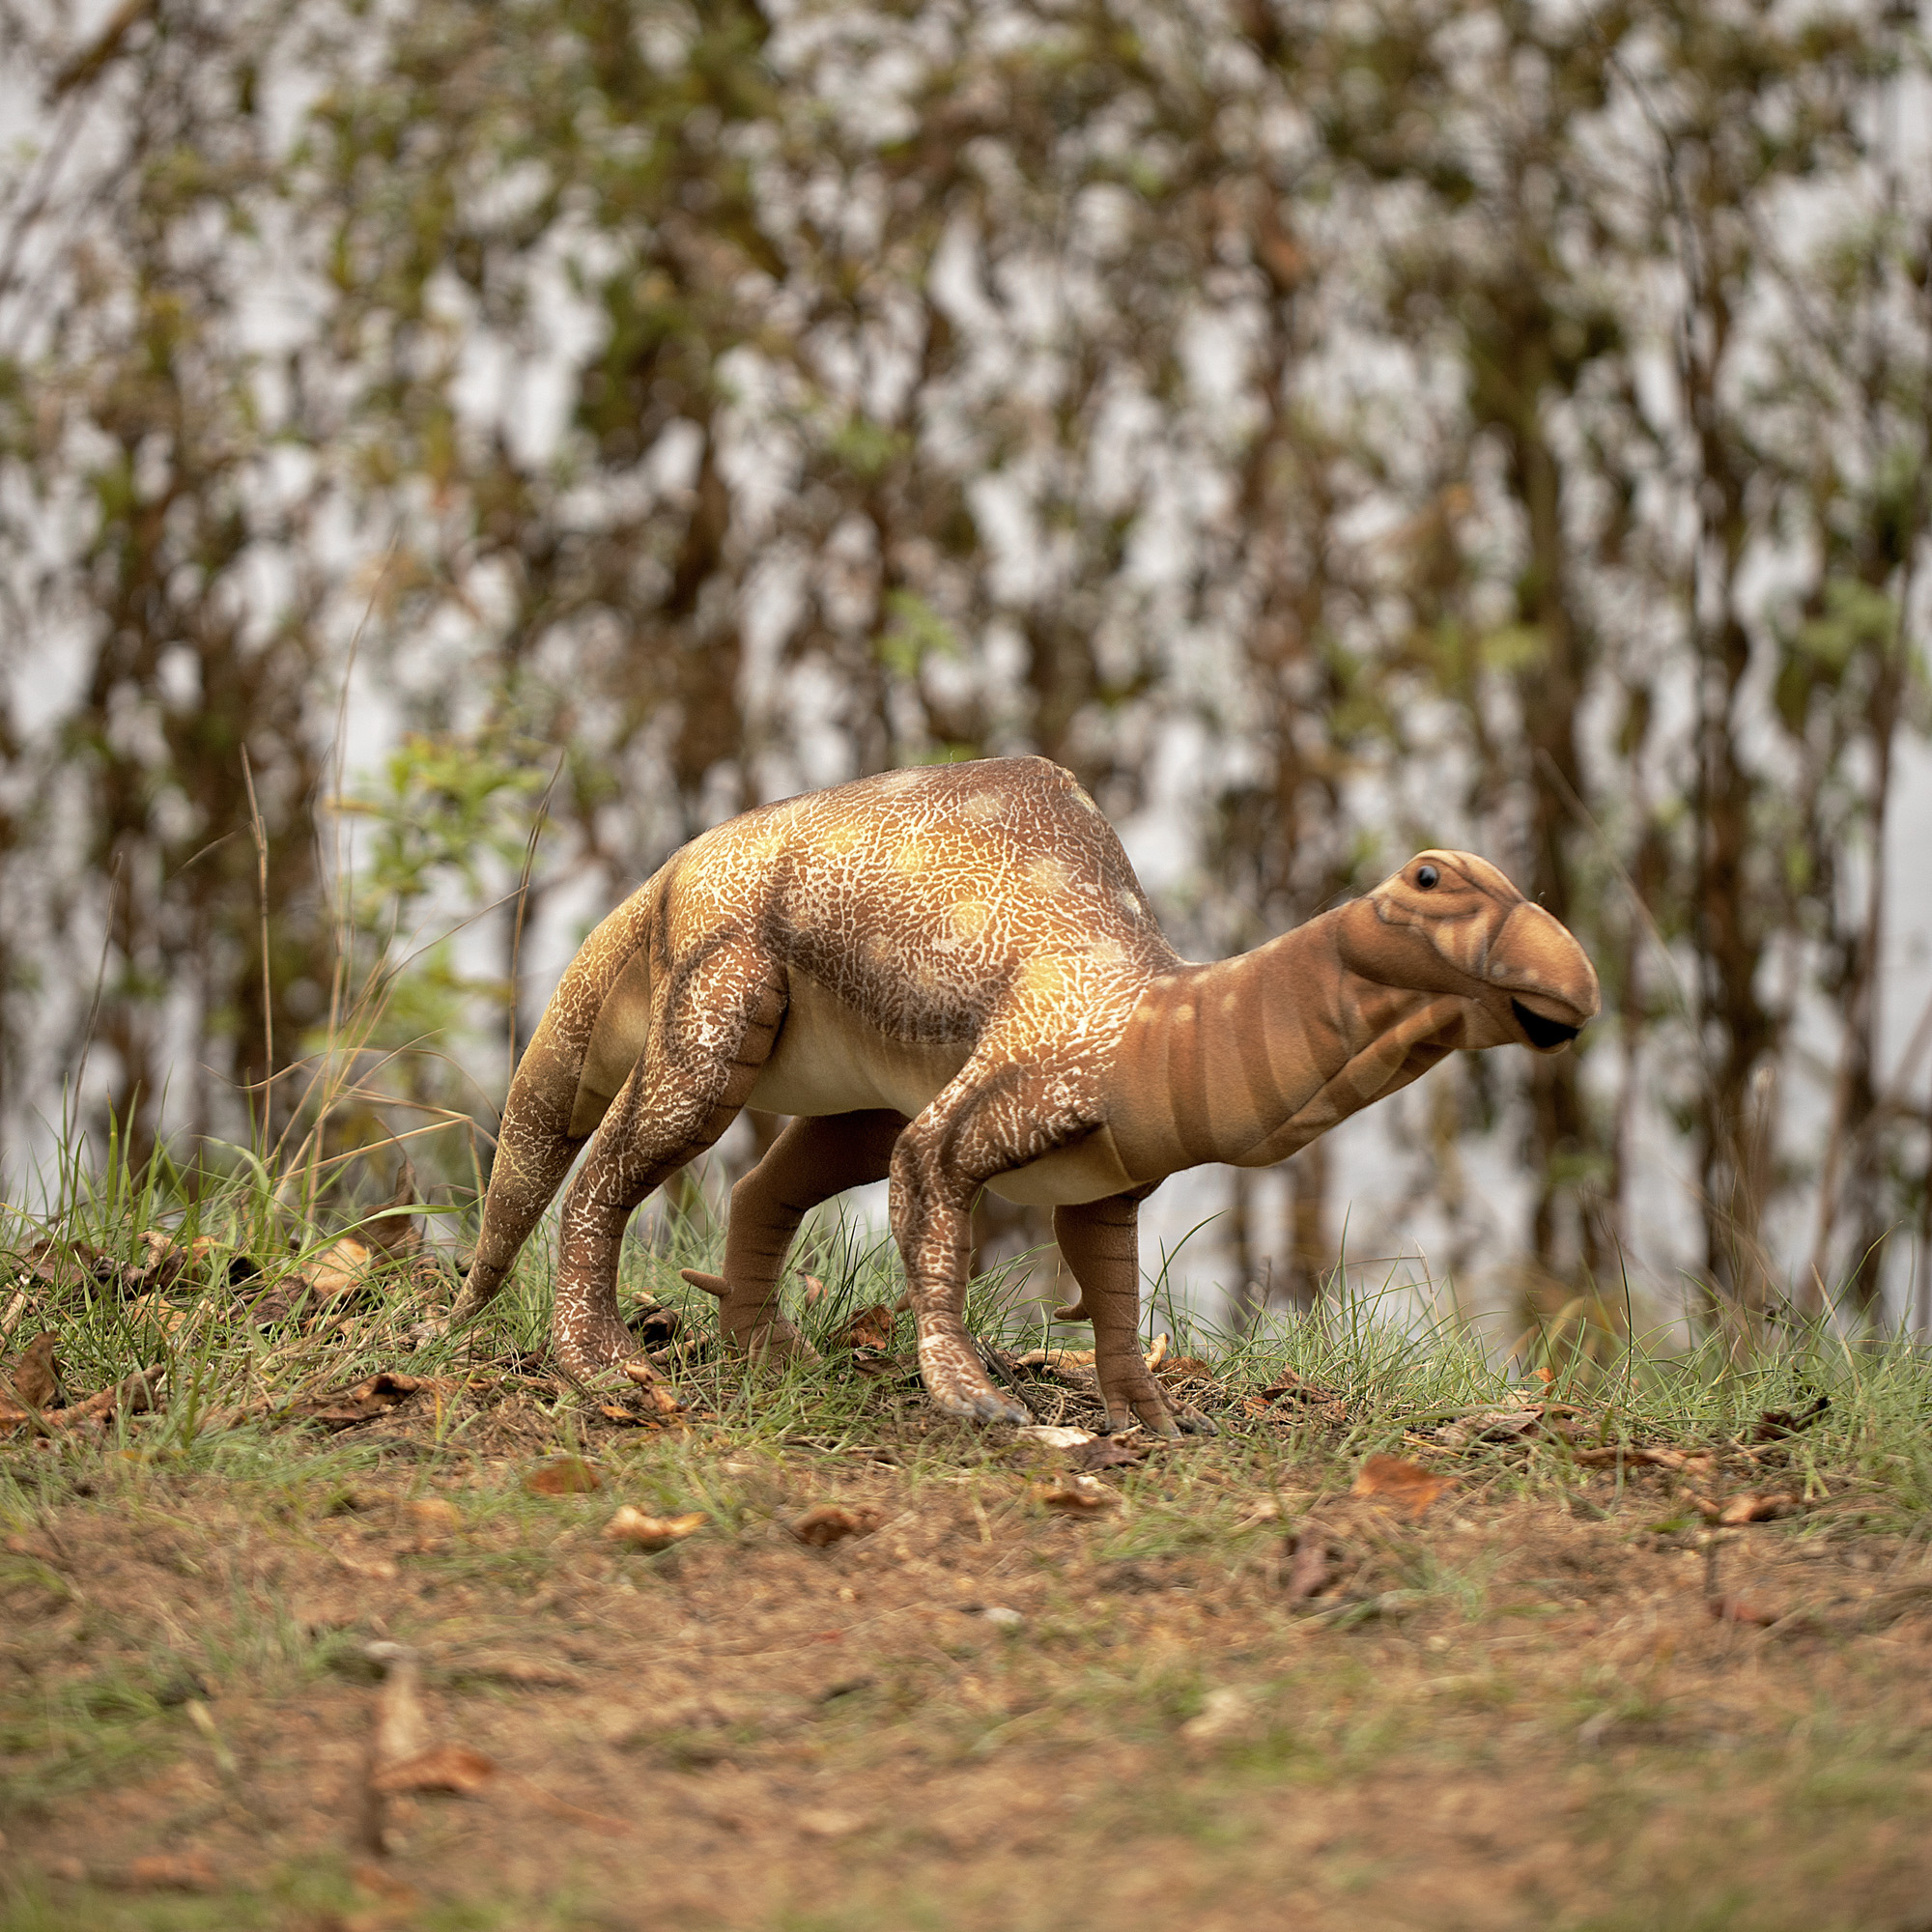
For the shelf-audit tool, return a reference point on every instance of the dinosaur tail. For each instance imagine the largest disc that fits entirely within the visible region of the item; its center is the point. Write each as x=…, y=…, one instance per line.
x=552, y=1108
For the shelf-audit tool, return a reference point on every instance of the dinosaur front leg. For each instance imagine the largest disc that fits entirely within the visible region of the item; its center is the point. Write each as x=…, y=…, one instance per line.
x=702, y=1059
x=810, y=1161
x=986, y=1122
x=1101, y=1240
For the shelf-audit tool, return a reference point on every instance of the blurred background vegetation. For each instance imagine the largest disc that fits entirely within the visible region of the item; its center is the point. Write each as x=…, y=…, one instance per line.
x=449, y=454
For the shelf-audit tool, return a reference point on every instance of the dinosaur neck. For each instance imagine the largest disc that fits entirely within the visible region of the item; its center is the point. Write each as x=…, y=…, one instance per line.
x=1247, y=1059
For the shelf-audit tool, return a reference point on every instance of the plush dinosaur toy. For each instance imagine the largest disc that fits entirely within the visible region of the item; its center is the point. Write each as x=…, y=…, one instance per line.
x=951, y=976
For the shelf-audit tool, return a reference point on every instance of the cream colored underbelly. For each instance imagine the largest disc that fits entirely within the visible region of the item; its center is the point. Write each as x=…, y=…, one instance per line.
x=828, y=1059
x=1088, y=1170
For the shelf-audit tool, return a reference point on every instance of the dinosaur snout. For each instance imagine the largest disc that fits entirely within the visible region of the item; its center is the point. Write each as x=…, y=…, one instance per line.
x=1552, y=985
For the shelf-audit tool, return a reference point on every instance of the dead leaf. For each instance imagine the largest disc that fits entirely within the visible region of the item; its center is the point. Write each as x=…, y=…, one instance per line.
x=562, y=1476
x=1056, y=1361
x=1775, y=1424
x=653, y=1324
x=1186, y=1369
x=1222, y=1711
x=35, y=1379
x=1736, y=1611
x=400, y=1733
x=166, y=1871
x=652, y=1532
x=135, y=1395
x=433, y=1513
x=827, y=1524
x=68, y=1265
x=1077, y=1495
x=438, y=1768
x=1755, y=1506
x=876, y=1364
x=159, y=1315
x=533, y=1672
x=1292, y=1397
x=1313, y=1569
x=1405, y=1485
x=377, y=1569
x=345, y=1407
x=1054, y=1436
x=393, y=1232
x=1158, y=1353
x=649, y=1404
x=1104, y=1452
x=814, y=1291
x=871, y=1328
x=832, y=1824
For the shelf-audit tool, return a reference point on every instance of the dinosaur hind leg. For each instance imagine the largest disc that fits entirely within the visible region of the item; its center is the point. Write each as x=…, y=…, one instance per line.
x=705, y=1048
x=534, y=1150
x=810, y=1161
x=1101, y=1242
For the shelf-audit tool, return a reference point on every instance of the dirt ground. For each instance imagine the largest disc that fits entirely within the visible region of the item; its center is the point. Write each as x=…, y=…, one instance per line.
x=999, y=1707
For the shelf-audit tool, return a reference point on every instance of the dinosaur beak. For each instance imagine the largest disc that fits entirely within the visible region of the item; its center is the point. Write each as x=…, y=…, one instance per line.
x=1549, y=983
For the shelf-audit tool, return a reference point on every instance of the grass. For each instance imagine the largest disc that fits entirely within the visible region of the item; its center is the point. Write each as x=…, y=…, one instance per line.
x=1513, y=1709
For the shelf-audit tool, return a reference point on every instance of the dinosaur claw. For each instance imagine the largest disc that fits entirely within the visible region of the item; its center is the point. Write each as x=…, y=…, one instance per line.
x=993, y=1407
x=711, y=1284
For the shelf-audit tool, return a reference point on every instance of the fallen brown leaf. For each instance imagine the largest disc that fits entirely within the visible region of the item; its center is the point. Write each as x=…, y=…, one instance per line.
x=652, y=1532
x=34, y=1381
x=814, y=1291
x=1313, y=1569
x=1405, y=1486
x=166, y=1871
x=1104, y=1452
x=832, y=1824
x=345, y=1407
x=1757, y=1507
x=871, y=1328
x=438, y=1768
x=827, y=1524
x=135, y=1395
x=1223, y=1711
x=400, y=1732
x=159, y=1315
x=1077, y=1495
x=653, y=1324
x=1736, y=1611
x=1775, y=1424
x=1294, y=1396
x=1158, y=1353
x=533, y=1672
x=1186, y=1369
x=562, y=1476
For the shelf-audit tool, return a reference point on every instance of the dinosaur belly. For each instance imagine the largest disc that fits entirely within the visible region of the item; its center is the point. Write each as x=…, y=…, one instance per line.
x=829, y=1058
x=1090, y=1169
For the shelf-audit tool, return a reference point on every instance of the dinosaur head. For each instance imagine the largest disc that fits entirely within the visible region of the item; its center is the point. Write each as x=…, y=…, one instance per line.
x=1449, y=922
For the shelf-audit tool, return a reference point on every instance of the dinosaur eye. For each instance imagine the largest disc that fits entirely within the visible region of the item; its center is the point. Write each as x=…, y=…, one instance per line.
x=1426, y=877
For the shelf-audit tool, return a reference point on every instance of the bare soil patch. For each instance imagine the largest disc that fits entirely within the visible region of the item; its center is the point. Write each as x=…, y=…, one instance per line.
x=1550, y=1695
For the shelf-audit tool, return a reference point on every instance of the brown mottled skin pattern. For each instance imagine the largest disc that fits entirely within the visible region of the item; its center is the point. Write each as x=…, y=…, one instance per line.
x=951, y=976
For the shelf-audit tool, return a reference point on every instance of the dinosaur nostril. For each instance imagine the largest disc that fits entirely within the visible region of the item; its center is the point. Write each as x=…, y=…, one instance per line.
x=1542, y=1034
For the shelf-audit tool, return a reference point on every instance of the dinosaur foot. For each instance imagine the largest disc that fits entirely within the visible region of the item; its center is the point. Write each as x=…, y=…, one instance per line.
x=764, y=1332
x=599, y=1356
x=959, y=1386
x=1172, y=1423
